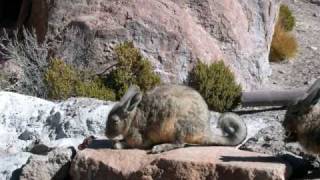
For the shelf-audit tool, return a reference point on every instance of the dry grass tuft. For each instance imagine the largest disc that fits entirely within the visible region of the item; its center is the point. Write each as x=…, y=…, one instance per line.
x=283, y=46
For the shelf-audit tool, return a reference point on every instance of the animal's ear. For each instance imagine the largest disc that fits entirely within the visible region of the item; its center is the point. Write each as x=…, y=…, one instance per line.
x=131, y=99
x=313, y=94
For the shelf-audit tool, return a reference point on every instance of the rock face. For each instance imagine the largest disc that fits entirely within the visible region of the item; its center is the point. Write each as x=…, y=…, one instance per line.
x=54, y=166
x=25, y=119
x=186, y=163
x=172, y=34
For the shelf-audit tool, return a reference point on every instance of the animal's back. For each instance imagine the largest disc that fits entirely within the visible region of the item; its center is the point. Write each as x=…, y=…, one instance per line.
x=175, y=112
x=309, y=130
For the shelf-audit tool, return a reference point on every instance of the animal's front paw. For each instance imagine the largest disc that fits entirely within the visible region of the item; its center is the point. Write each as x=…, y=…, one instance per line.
x=118, y=145
x=161, y=148
x=86, y=142
x=157, y=149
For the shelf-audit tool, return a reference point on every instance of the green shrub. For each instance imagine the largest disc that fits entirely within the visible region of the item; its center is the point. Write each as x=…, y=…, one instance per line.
x=283, y=45
x=64, y=81
x=132, y=68
x=60, y=79
x=286, y=19
x=94, y=89
x=216, y=83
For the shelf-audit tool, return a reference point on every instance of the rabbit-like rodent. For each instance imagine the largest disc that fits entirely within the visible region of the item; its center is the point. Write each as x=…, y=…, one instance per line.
x=169, y=117
x=302, y=120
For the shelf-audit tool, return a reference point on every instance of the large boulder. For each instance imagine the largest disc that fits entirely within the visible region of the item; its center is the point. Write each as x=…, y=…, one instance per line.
x=26, y=119
x=172, y=34
x=187, y=163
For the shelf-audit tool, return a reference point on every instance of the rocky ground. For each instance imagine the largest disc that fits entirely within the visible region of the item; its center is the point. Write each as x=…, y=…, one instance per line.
x=302, y=70
x=299, y=72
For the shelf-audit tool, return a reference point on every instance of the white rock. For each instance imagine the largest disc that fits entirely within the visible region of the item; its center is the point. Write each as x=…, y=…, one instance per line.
x=57, y=124
x=313, y=48
x=11, y=163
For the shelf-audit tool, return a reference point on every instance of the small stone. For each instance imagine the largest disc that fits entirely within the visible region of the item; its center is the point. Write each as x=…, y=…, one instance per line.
x=27, y=135
x=37, y=147
x=313, y=48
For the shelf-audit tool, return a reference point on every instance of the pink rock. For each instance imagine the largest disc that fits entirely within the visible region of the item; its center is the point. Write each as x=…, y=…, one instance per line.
x=173, y=35
x=186, y=163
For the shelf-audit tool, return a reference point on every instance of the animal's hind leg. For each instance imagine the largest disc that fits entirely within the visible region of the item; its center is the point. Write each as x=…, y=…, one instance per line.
x=178, y=143
x=166, y=147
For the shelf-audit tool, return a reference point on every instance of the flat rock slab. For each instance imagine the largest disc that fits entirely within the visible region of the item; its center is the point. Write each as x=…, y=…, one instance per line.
x=187, y=163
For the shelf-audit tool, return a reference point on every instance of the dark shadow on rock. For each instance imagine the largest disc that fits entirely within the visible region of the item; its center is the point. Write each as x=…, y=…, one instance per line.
x=63, y=172
x=16, y=174
x=243, y=112
x=100, y=144
x=270, y=159
x=315, y=174
x=300, y=166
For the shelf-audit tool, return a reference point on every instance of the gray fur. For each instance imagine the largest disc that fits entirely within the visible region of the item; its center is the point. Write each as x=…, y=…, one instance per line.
x=169, y=117
x=302, y=120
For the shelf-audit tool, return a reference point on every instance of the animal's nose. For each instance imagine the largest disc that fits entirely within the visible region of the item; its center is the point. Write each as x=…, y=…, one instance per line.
x=115, y=121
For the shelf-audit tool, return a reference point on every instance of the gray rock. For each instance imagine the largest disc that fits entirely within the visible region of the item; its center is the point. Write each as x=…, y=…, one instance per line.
x=11, y=164
x=38, y=147
x=27, y=135
x=270, y=141
x=24, y=120
x=54, y=166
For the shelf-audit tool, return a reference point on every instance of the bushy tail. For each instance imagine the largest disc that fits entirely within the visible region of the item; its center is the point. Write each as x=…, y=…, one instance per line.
x=233, y=127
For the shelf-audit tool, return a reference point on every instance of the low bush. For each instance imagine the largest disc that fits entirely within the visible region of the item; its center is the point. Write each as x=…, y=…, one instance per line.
x=64, y=81
x=217, y=85
x=131, y=68
x=30, y=56
x=286, y=18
